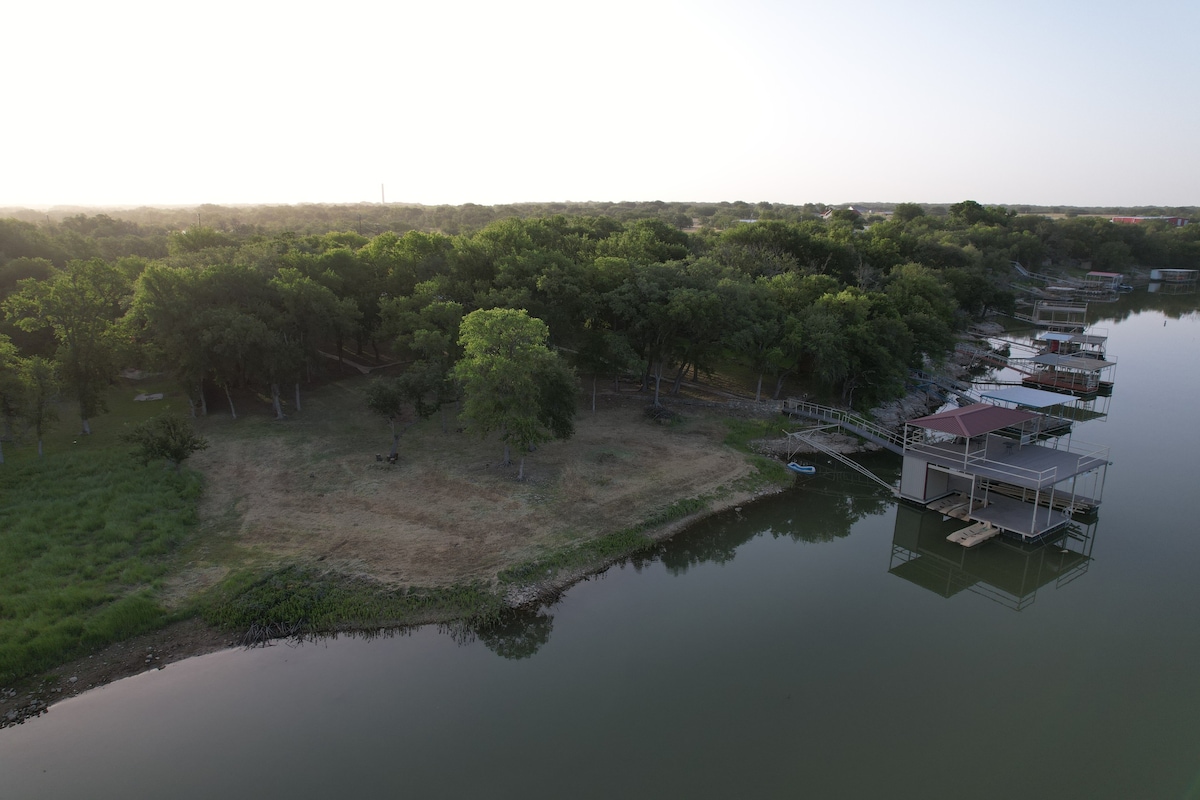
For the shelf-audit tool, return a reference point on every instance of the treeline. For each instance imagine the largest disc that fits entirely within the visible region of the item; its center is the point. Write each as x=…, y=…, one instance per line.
x=847, y=303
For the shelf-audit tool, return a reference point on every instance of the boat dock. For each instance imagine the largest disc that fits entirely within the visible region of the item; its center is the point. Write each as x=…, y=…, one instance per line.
x=1005, y=466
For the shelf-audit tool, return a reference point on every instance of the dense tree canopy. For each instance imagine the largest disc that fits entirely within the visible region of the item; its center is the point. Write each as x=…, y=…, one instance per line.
x=241, y=301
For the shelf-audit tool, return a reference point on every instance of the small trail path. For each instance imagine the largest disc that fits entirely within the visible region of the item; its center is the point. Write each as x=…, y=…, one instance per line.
x=365, y=370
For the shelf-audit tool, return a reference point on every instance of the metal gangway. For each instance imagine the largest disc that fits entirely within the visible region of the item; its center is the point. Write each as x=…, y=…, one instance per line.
x=984, y=355
x=808, y=437
x=847, y=420
x=1038, y=276
x=946, y=386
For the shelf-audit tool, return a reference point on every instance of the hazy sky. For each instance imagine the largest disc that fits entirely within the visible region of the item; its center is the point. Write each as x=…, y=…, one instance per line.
x=257, y=101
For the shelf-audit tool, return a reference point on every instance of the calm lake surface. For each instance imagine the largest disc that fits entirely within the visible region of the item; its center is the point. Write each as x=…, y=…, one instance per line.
x=820, y=643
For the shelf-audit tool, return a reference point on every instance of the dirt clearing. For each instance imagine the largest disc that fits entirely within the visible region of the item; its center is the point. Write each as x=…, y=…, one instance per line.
x=311, y=489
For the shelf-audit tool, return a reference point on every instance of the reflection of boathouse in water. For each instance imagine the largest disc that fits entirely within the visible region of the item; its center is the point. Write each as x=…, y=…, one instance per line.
x=1174, y=281
x=1007, y=572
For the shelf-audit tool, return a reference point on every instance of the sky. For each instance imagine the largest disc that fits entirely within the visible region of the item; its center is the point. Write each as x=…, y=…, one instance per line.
x=1043, y=102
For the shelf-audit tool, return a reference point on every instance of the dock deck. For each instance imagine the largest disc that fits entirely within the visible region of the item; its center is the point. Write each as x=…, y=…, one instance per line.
x=1025, y=519
x=1001, y=513
x=1006, y=461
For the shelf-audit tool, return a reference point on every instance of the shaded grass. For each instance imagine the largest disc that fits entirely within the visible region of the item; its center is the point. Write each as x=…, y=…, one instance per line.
x=767, y=471
x=84, y=541
x=296, y=600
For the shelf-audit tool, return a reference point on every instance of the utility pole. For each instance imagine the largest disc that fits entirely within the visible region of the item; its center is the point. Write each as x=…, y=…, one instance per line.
x=382, y=201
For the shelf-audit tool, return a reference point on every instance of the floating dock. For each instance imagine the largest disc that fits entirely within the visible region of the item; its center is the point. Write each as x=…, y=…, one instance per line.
x=974, y=534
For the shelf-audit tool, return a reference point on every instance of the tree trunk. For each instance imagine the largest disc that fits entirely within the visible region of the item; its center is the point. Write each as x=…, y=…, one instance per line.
x=86, y=427
x=678, y=379
x=192, y=407
x=275, y=401
x=593, y=393
x=203, y=402
x=297, y=395
x=394, y=453
x=521, y=469
x=758, y=390
x=657, y=384
x=39, y=447
x=778, y=387
x=229, y=397
x=507, y=458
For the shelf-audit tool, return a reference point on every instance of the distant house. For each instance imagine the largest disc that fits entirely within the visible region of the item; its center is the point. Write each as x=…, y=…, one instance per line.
x=1178, y=222
x=827, y=214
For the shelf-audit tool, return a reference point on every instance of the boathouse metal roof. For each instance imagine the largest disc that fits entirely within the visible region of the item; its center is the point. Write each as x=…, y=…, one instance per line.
x=974, y=420
x=1081, y=363
x=1055, y=336
x=1027, y=397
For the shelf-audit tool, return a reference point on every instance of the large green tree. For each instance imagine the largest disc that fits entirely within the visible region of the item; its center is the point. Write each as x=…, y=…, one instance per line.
x=81, y=304
x=512, y=382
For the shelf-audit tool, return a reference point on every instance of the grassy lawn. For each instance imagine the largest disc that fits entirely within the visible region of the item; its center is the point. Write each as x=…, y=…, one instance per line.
x=87, y=534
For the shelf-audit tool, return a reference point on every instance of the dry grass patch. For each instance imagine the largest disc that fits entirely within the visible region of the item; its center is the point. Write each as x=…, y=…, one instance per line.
x=310, y=489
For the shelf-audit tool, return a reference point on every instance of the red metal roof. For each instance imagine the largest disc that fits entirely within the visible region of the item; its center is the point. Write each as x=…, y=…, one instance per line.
x=974, y=420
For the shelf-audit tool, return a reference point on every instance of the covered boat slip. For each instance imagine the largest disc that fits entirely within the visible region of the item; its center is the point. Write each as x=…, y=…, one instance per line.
x=1086, y=345
x=999, y=458
x=960, y=451
x=1079, y=375
x=1050, y=405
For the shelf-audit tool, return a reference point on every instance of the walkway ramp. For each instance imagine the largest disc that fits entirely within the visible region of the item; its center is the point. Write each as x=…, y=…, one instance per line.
x=943, y=385
x=847, y=421
x=983, y=355
x=1047, y=279
x=809, y=438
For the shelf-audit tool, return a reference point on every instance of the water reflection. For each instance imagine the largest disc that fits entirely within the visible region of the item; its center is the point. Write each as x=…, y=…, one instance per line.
x=1008, y=572
x=838, y=498
x=819, y=508
x=1171, y=306
x=519, y=634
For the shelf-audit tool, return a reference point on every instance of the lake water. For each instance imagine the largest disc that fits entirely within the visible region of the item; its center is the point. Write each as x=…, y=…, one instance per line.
x=784, y=651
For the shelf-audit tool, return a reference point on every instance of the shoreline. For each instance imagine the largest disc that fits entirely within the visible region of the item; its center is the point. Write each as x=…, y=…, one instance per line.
x=192, y=637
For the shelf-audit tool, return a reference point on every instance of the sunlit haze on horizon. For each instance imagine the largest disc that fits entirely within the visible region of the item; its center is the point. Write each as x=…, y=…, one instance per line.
x=1017, y=102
